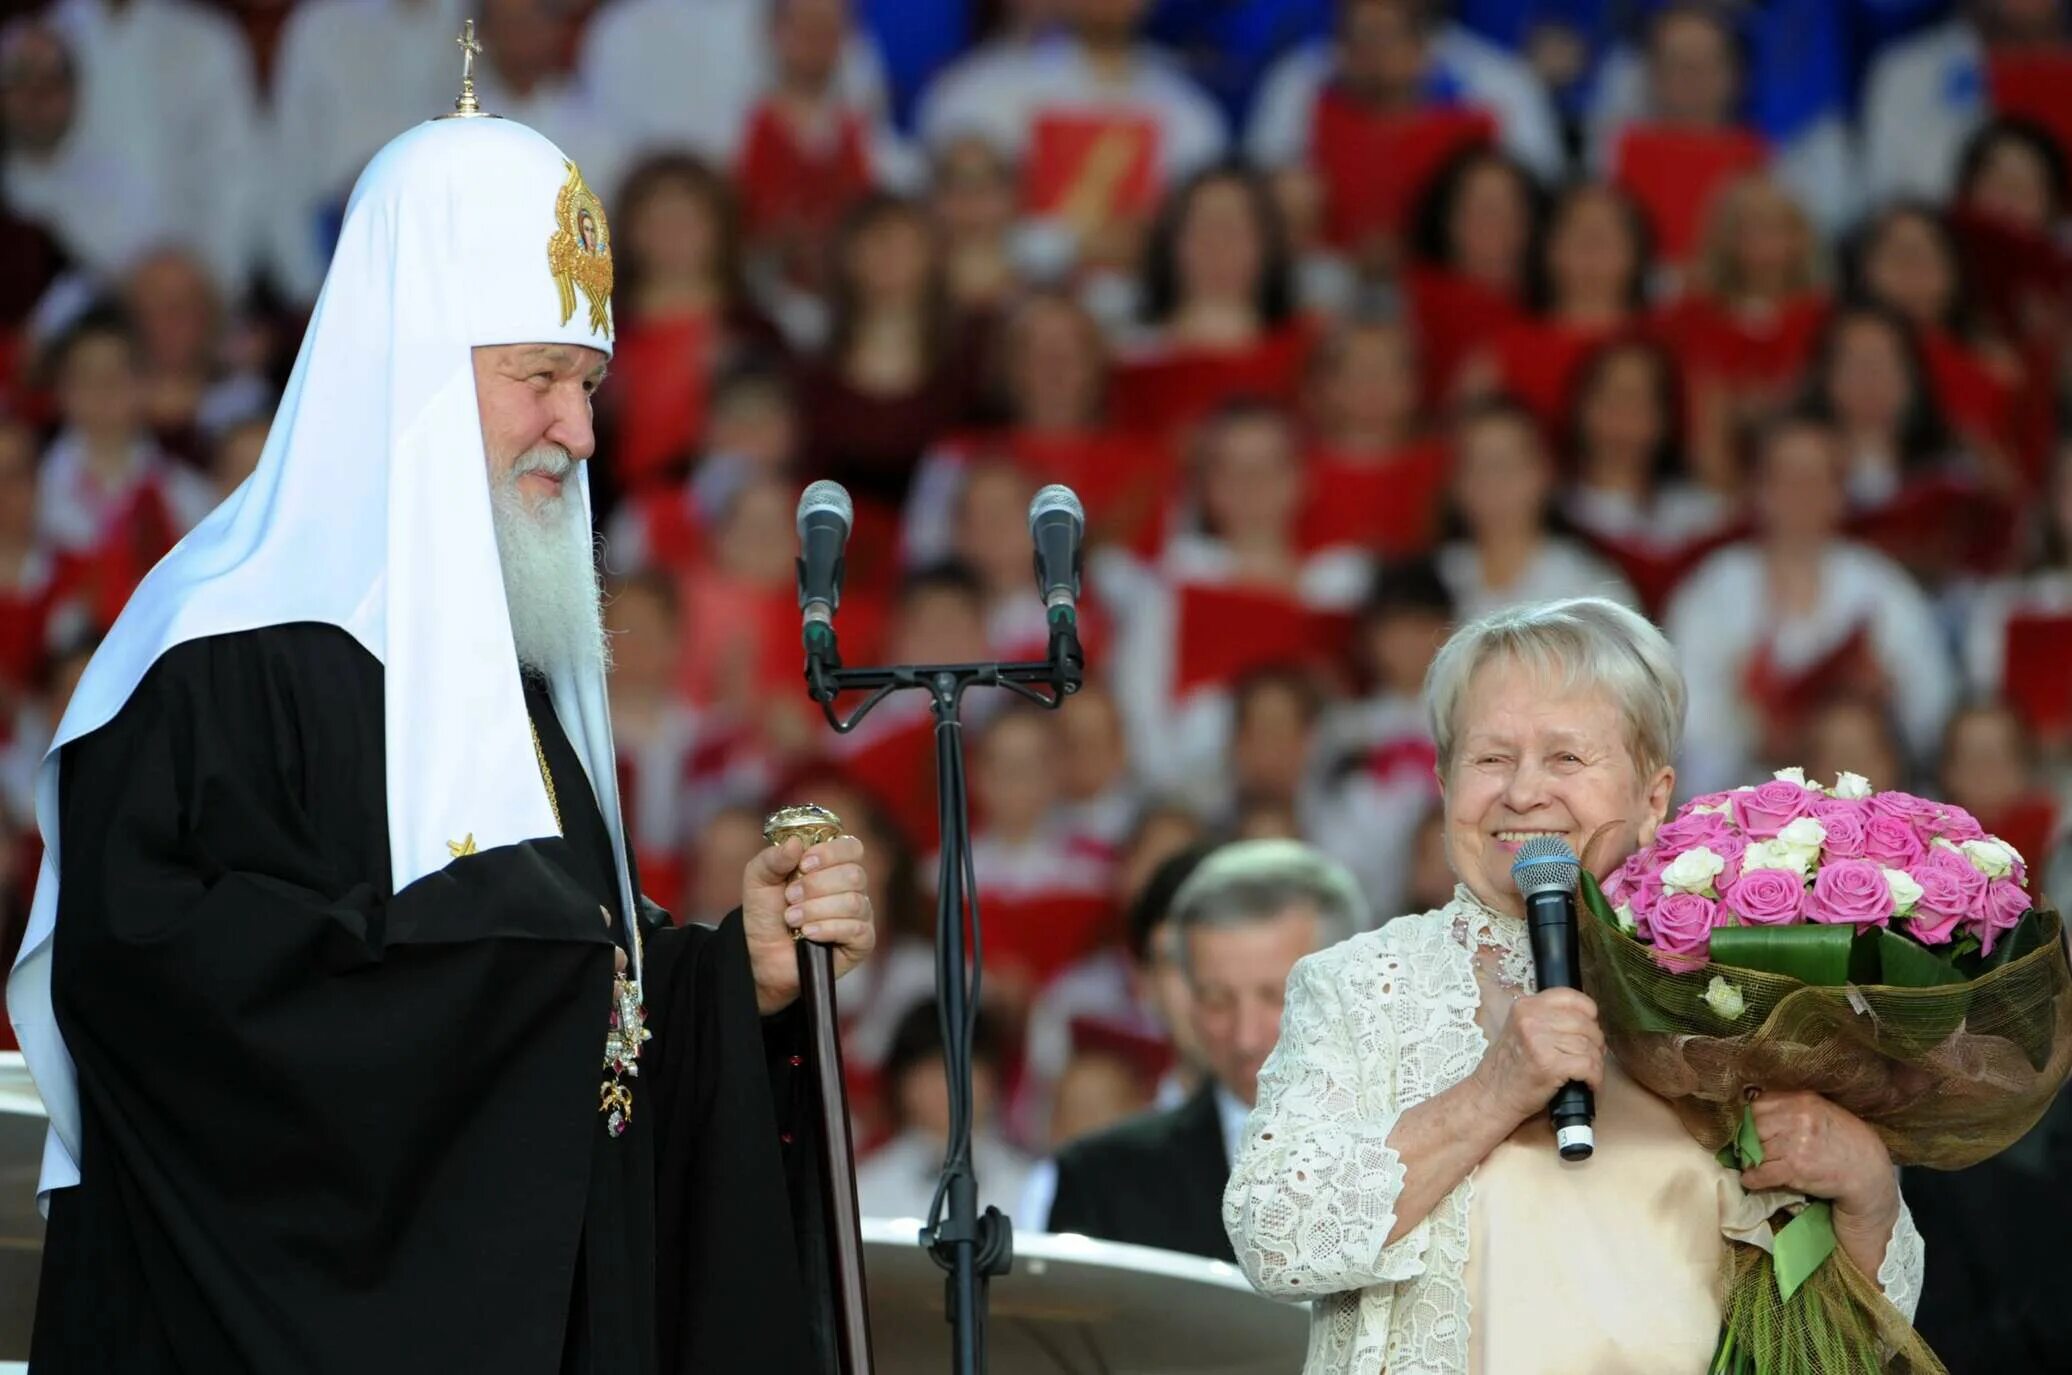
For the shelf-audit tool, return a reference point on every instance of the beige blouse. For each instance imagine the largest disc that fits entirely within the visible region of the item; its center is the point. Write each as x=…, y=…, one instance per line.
x=1530, y=1266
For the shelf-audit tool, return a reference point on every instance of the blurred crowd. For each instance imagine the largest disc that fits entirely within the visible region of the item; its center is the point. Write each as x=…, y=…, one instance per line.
x=1347, y=319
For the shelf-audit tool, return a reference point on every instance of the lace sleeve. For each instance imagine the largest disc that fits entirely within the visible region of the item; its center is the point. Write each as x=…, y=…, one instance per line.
x=1905, y=1264
x=1312, y=1193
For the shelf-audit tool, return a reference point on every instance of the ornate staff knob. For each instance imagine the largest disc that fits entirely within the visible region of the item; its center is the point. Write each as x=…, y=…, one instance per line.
x=808, y=821
x=466, y=106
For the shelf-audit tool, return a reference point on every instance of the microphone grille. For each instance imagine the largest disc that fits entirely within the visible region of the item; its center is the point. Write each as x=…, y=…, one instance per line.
x=1546, y=864
x=1056, y=497
x=826, y=496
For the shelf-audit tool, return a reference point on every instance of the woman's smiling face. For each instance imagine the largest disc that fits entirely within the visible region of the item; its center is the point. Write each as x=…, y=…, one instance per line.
x=1532, y=757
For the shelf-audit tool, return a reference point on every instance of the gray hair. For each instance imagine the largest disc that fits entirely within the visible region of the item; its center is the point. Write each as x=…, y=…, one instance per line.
x=1257, y=880
x=1579, y=642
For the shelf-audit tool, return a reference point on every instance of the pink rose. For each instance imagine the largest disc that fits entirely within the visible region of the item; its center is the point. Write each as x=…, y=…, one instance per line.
x=1643, y=895
x=1729, y=847
x=1850, y=892
x=1710, y=800
x=1683, y=929
x=1844, y=824
x=2005, y=905
x=1765, y=897
x=1690, y=830
x=1771, y=807
x=1927, y=816
x=1892, y=842
x=1951, y=893
x=1959, y=826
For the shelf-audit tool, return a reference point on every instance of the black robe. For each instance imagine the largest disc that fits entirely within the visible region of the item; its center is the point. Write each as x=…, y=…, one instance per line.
x=330, y=1127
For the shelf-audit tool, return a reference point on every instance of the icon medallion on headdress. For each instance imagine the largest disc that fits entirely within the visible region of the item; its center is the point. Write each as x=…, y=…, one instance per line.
x=580, y=252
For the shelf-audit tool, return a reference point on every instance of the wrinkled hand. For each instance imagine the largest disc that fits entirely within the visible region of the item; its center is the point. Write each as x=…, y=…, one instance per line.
x=1548, y=1039
x=821, y=892
x=1824, y=1151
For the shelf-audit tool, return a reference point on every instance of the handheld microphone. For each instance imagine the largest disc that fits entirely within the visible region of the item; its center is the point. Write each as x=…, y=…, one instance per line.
x=1546, y=872
x=825, y=515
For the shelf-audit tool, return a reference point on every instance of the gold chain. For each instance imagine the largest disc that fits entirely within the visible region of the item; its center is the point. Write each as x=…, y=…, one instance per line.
x=546, y=775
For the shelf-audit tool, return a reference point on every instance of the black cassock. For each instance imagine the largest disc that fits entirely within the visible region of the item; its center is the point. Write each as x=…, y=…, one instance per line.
x=329, y=1127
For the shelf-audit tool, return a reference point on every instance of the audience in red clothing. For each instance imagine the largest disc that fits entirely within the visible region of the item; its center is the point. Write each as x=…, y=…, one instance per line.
x=1907, y=258
x=972, y=193
x=806, y=154
x=1471, y=255
x=1375, y=479
x=685, y=316
x=1629, y=492
x=1745, y=323
x=1588, y=285
x=1686, y=144
x=895, y=374
x=1988, y=767
x=1218, y=307
x=1508, y=551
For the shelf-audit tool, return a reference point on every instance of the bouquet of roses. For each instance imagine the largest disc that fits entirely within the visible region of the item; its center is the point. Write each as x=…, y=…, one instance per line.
x=1879, y=949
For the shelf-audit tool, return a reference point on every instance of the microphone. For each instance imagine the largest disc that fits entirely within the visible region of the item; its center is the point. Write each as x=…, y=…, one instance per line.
x=1546, y=872
x=825, y=515
x=1056, y=523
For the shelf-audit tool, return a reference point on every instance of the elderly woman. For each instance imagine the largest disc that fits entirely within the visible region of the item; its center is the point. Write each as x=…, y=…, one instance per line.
x=1399, y=1169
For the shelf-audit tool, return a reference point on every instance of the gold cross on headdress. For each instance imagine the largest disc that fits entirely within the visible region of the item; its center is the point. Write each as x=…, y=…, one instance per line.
x=470, y=49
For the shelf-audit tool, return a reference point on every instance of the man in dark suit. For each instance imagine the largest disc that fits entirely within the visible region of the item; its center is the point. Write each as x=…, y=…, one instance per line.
x=1244, y=917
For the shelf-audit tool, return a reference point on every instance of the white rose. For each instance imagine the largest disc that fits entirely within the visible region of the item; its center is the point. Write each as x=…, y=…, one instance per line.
x=1775, y=854
x=1993, y=858
x=1725, y=999
x=1851, y=787
x=1792, y=775
x=1805, y=834
x=1905, y=892
x=1693, y=872
x=1947, y=844
x=1623, y=915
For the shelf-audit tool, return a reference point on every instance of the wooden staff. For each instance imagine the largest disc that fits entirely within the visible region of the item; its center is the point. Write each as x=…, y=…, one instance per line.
x=831, y=1099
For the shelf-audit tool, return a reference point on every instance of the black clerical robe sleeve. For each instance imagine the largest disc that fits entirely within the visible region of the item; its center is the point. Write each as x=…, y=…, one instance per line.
x=326, y=1126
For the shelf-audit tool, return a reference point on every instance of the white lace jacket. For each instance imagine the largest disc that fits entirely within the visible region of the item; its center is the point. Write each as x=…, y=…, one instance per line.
x=1372, y=1027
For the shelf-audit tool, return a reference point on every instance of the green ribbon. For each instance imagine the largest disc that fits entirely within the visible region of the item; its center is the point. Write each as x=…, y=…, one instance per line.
x=1800, y=1246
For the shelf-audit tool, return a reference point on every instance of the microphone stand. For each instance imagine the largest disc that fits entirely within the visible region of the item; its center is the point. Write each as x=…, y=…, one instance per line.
x=970, y=1248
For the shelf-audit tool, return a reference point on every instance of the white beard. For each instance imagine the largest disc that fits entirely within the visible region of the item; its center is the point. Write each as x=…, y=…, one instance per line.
x=550, y=579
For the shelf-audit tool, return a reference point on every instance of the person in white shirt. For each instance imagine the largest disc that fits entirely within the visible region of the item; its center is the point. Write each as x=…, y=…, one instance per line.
x=167, y=88
x=1098, y=67
x=520, y=77
x=898, y=1178
x=1399, y=1171
x=1924, y=96
x=1377, y=779
x=683, y=74
x=100, y=205
x=1793, y=599
x=1406, y=56
x=348, y=76
x=964, y=83
x=105, y=486
x=1243, y=535
x=1503, y=491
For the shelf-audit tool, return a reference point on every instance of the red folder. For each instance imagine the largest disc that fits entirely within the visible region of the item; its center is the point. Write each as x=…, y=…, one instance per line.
x=1455, y=317
x=1375, y=166
x=1092, y=164
x=1173, y=389
x=1655, y=570
x=2038, y=674
x=1392, y=508
x=1226, y=632
x=1042, y=933
x=1943, y=525
x=1675, y=174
